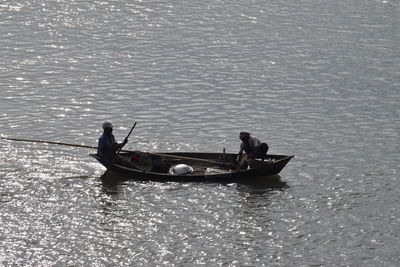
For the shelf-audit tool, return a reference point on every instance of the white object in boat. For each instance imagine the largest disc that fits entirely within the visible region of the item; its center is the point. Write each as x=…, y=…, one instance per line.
x=181, y=169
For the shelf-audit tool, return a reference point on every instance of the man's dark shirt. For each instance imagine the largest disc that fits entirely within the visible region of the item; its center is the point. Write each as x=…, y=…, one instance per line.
x=104, y=148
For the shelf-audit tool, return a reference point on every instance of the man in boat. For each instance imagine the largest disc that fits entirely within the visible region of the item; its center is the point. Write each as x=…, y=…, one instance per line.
x=107, y=146
x=254, y=150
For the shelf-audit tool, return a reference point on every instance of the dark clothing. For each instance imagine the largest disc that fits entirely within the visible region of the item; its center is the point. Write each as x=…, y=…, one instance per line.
x=254, y=148
x=249, y=145
x=106, y=148
x=260, y=152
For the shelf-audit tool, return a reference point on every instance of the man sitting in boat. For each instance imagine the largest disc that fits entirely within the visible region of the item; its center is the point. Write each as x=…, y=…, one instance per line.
x=254, y=150
x=107, y=146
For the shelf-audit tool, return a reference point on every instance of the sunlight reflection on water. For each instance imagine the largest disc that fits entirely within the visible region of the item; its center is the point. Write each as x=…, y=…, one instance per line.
x=318, y=80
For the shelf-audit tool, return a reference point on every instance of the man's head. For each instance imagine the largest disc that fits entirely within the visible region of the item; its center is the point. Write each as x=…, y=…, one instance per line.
x=244, y=136
x=108, y=127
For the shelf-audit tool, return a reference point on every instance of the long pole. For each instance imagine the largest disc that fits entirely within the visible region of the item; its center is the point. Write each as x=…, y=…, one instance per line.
x=53, y=143
x=126, y=139
x=94, y=147
x=47, y=142
x=226, y=164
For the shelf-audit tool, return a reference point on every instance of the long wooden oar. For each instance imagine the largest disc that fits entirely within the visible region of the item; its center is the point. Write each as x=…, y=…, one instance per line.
x=47, y=142
x=125, y=141
x=53, y=143
x=95, y=147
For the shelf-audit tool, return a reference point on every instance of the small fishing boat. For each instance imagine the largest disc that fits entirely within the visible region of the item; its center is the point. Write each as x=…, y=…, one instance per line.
x=193, y=166
x=184, y=166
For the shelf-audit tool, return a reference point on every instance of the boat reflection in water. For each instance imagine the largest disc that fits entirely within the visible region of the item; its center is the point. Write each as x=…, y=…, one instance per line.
x=112, y=182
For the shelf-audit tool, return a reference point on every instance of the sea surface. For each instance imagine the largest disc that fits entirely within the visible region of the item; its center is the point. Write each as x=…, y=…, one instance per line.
x=317, y=79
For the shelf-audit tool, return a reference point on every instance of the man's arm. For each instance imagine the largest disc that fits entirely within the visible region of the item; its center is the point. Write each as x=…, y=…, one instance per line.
x=101, y=148
x=239, y=156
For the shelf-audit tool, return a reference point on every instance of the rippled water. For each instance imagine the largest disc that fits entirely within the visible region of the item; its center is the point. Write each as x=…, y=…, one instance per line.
x=316, y=79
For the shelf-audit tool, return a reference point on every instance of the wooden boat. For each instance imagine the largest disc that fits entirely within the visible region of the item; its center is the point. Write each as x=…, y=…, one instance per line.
x=202, y=167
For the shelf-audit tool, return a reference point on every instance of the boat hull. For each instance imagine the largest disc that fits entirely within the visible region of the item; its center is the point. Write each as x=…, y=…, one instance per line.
x=229, y=174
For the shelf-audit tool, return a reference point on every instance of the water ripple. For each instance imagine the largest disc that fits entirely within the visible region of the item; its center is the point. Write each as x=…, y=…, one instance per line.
x=311, y=78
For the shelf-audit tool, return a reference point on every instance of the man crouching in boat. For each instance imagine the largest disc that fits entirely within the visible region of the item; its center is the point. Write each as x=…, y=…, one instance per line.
x=107, y=147
x=254, y=150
